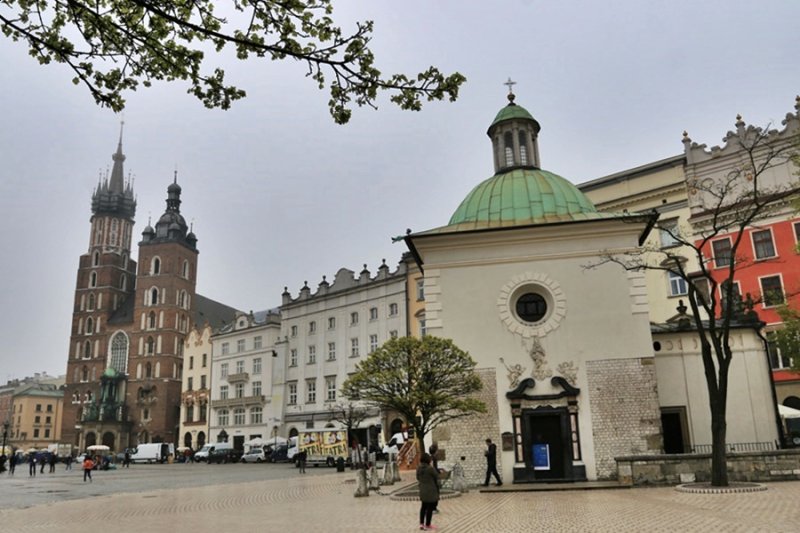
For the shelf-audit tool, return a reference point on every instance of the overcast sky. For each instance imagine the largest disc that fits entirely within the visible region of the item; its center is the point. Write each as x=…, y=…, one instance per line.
x=279, y=194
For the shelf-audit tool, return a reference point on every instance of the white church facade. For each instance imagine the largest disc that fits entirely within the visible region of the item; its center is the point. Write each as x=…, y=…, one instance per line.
x=562, y=339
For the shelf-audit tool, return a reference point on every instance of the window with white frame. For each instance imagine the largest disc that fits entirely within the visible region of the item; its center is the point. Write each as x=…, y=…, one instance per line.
x=256, y=415
x=293, y=357
x=225, y=348
x=222, y=417
x=763, y=246
x=331, y=322
x=238, y=416
x=777, y=359
x=256, y=388
x=257, y=342
x=353, y=318
x=354, y=347
x=421, y=289
x=257, y=365
x=294, y=331
x=240, y=347
x=393, y=334
x=223, y=370
x=239, y=390
x=772, y=291
x=677, y=285
x=292, y=393
x=373, y=343
x=373, y=313
x=223, y=392
x=736, y=293
x=668, y=232
x=239, y=367
x=393, y=310
x=311, y=391
x=312, y=327
x=722, y=252
x=312, y=354
x=331, y=351
x=421, y=322
x=330, y=389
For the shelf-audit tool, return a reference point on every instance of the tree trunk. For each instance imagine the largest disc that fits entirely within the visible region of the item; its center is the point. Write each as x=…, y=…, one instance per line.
x=719, y=463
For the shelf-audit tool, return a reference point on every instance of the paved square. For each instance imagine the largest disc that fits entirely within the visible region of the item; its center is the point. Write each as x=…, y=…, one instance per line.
x=202, y=498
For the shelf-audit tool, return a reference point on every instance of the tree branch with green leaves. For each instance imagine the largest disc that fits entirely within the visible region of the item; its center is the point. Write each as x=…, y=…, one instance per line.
x=116, y=46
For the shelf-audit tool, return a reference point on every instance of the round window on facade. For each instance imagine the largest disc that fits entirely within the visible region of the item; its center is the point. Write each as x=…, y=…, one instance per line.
x=531, y=307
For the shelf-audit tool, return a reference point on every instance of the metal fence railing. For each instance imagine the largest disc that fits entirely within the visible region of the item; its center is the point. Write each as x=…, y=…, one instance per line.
x=766, y=446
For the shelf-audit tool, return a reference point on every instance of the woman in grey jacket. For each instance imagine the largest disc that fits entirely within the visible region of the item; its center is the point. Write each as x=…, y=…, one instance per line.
x=428, y=479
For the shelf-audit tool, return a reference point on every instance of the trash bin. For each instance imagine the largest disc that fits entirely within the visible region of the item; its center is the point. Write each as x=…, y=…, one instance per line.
x=340, y=464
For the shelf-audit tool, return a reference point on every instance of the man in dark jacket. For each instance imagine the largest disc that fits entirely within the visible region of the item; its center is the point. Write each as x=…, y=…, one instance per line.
x=491, y=463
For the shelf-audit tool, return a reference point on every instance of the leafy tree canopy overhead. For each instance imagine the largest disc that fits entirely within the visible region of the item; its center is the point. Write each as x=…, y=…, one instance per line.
x=429, y=381
x=114, y=46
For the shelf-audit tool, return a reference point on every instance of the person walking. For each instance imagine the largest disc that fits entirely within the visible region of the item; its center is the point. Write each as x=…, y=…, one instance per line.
x=428, y=480
x=434, y=451
x=126, y=460
x=68, y=460
x=32, y=465
x=52, y=463
x=302, y=457
x=88, y=464
x=491, y=463
x=12, y=464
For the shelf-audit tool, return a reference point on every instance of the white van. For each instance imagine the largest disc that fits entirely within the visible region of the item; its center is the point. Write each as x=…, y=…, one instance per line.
x=153, y=452
x=203, y=453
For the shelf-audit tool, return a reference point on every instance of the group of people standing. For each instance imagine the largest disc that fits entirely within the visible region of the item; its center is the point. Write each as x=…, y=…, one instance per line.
x=429, y=479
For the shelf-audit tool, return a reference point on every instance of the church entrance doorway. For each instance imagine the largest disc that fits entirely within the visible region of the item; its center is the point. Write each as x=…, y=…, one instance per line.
x=546, y=445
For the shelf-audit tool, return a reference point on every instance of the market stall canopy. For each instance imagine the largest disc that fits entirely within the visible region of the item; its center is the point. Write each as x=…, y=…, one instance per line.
x=788, y=412
x=98, y=448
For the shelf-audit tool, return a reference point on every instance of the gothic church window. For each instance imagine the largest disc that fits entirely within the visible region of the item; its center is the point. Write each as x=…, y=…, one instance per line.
x=91, y=302
x=89, y=326
x=96, y=259
x=151, y=320
x=151, y=346
x=148, y=370
x=153, y=296
x=119, y=352
x=85, y=374
x=87, y=350
x=113, y=234
x=93, y=279
x=186, y=269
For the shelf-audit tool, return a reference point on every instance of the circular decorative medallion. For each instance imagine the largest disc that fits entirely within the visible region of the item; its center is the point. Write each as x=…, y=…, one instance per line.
x=531, y=305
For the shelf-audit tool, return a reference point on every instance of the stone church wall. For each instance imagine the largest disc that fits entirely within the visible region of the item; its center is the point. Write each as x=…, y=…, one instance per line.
x=626, y=418
x=465, y=437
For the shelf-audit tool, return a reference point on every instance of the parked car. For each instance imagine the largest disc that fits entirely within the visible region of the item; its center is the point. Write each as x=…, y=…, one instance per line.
x=256, y=455
x=277, y=454
x=224, y=455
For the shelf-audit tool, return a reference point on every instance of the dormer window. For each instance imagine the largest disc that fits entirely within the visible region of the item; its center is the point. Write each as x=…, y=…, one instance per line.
x=508, y=141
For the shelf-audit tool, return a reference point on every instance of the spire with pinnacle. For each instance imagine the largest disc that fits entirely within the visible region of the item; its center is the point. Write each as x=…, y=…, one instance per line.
x=112, y=196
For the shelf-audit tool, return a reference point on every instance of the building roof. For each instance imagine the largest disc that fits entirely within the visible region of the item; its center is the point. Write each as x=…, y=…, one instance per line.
x=511, y=111
x=523, y=196
x=215, y=313
x=780, y=376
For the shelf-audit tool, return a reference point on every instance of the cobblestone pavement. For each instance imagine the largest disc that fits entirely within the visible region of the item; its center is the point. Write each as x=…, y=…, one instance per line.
x=324, y=501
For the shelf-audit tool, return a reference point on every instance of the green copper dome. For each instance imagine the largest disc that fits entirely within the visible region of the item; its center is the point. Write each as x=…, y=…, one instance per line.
x=519, y=197
x=510, y=111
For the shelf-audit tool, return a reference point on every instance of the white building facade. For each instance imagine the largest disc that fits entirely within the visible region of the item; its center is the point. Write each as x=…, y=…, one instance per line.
x=327, y=333
x=245, y=400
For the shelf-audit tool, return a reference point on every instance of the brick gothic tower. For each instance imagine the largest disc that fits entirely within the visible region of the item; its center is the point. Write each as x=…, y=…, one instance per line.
x=165, y=295
x=105, y=282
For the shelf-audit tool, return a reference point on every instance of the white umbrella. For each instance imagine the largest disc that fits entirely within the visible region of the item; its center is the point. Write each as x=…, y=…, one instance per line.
x=276, y=440
x=255, y=442
x=98, y=448
x=788, y=412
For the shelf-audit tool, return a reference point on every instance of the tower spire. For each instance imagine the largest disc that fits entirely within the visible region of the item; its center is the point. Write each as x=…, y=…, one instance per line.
x=116, y=185
x=510, y=85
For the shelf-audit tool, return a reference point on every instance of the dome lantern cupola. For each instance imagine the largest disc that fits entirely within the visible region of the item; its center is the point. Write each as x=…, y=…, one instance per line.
x=514, y=134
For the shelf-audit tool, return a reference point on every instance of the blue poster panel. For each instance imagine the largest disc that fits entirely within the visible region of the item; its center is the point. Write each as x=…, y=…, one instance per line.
x=541, y=457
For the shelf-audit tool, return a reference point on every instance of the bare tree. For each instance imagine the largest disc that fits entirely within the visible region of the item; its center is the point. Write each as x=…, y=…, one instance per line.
x=350, y=415
x=746, y=194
